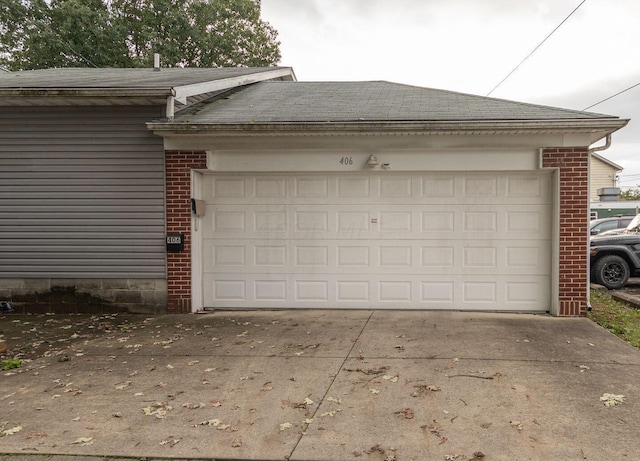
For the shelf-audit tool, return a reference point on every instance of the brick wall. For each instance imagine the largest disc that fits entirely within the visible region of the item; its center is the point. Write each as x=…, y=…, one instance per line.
x=574, y=222
x=178, y=166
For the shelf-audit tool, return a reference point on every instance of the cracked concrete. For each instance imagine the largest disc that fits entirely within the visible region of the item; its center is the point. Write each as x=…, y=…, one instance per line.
x=329, y=385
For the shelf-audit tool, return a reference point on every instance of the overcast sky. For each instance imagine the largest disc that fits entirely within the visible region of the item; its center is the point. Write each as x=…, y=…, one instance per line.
x=471, y=45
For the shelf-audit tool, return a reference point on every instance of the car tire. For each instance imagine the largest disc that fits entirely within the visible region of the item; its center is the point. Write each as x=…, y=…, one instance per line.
x=610, y=271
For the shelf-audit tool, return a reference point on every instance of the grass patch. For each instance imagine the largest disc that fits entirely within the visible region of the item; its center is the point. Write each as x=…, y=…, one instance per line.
x=617, y=317
x=10, y=364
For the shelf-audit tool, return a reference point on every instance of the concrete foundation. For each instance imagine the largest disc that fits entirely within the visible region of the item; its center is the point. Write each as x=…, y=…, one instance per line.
x=76, y=296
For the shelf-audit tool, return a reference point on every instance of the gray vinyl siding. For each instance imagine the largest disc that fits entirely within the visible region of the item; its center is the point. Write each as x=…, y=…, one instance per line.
x=81, y=193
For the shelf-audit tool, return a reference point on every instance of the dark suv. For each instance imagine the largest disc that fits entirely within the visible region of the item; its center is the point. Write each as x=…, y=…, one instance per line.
x=617, y=257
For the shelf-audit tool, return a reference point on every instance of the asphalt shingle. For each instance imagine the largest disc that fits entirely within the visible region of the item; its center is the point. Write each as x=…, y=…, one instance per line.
x=140, y=78
x=374, y=101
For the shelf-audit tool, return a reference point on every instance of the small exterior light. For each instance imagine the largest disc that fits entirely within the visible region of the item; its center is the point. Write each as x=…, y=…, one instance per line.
x=373, y=161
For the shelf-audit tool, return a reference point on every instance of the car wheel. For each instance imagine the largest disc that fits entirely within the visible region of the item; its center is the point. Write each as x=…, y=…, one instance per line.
x=611, y=271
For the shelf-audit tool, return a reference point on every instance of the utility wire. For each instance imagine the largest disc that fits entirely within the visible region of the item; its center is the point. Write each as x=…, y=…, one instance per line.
x=535, y=49
x=613, y=96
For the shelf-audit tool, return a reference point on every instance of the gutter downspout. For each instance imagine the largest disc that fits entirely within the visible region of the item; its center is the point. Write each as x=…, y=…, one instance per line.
x=171, y=105
x=607, y=144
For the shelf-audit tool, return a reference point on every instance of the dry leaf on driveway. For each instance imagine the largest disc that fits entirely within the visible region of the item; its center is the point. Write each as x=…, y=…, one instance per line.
x=83, y=441
x=611, y=400
x=11, y=431
x=286, y=425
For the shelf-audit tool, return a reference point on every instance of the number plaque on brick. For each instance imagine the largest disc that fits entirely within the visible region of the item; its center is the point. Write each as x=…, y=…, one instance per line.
x=175, y=242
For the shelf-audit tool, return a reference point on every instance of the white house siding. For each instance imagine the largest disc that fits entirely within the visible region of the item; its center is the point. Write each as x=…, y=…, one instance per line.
x=81, y=195
x=601, y=175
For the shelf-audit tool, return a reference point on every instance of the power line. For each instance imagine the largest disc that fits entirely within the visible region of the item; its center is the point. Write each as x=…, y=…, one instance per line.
x=612, y=96
x=535, y=49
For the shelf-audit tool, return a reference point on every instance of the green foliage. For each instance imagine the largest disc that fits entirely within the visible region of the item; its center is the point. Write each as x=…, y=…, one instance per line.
x=11, y=363
x=630, y=194
x=620, y=319
x=126, y=33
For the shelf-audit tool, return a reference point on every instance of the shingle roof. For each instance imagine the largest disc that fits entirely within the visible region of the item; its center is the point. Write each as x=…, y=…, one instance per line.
x=141, y=78
x=377, y=101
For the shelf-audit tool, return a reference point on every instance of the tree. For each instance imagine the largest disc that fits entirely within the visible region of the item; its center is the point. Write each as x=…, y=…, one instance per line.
x=37, y=34
x=630, y=194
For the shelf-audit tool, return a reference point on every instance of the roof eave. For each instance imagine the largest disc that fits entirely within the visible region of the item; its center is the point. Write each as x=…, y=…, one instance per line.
x=595, y=126
x=613, y=165
x=82, y=97
x=86, y=92
x=184, y=91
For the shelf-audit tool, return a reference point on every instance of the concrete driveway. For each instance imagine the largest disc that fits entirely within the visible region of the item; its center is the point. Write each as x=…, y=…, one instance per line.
x=331, y=385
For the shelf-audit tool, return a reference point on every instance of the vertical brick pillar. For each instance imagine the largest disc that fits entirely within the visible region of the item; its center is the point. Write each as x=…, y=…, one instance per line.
x=574, y=223
x=178, y=166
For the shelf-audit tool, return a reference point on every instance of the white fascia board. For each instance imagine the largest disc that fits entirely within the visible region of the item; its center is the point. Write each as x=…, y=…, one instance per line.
x=594, y=129
x=183, y=92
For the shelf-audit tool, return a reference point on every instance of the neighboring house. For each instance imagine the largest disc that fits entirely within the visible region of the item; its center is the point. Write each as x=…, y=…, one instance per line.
x=82, y=182
x=285, y=194
x=603, y=174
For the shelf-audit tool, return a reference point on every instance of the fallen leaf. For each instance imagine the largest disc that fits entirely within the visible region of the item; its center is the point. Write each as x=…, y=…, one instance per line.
x=307, y=421
x=369, y=371
x=333, y=399
x=308, y=401
x=218, y=424
x=611, y=400
x=237, y=443
x=393, y=379
x=516, y=424
x=83, y=441
x=171, y=441
x=406, y=412
x=158, y=409
x=193, y=406
x=374, y=391
x=285, y=426
x=211, y=422
x=11, y=431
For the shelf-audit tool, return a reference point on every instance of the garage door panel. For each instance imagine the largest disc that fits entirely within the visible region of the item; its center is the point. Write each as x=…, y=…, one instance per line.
x=357, y=291
x=493, y=257
x=406, y=240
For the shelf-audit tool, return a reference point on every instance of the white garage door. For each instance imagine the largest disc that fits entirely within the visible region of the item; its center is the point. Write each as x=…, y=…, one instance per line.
x=385, y=240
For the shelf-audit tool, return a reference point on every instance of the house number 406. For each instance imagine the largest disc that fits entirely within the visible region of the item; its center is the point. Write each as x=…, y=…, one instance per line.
x=346, y=161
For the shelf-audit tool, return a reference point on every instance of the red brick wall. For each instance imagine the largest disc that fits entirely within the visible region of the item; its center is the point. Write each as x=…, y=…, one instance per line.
x=574, y=222
x=178, y=166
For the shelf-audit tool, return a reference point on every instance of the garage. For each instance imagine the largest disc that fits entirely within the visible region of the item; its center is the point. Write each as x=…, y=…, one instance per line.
x=459, y=240
x=375, y=195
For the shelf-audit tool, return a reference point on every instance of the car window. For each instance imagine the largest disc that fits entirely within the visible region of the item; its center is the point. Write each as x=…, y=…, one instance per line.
x=604, y=226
